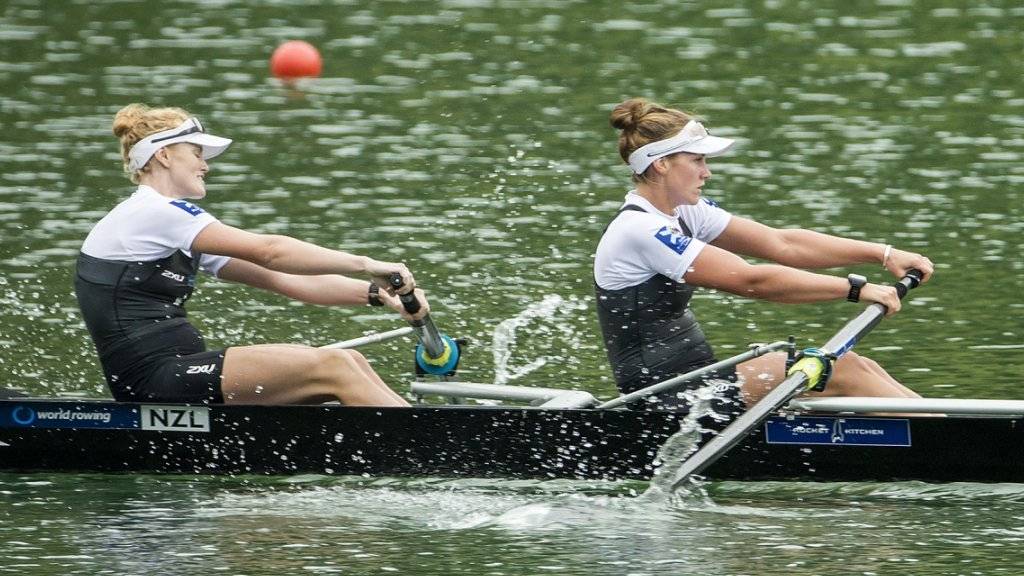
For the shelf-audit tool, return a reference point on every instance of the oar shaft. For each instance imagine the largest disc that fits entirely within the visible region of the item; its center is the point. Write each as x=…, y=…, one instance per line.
x=740, y=427
x=792, y=386
x=678, y=381
x=855, y=329
x=371, y=338
x=429, y=336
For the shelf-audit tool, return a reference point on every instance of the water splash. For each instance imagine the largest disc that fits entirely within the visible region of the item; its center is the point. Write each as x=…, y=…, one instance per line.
x=504, y=340
x=680, y=446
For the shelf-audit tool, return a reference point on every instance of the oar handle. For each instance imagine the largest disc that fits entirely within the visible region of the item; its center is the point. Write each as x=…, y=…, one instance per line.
x=908, y=282
x=429, y=336
x=409, y=301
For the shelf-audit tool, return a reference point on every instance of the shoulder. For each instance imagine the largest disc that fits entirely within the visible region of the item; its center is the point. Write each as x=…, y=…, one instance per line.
x=704, y=207
x=645, y=232
x=634, y=224
x=185, y=206
x=178, y=210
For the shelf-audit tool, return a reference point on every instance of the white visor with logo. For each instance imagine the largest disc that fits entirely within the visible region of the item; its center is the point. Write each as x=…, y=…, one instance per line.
x=693, y=138
x=190, y=131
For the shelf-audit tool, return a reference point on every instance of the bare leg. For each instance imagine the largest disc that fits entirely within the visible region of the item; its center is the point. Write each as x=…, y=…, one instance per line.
x=853, y=375
x=291, y=374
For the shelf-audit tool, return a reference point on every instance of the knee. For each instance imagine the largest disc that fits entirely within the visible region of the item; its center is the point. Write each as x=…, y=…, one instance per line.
x=333, y=363
x=853, y=361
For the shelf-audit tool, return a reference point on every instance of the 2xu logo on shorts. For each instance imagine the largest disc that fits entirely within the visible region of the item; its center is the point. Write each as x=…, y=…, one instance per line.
x=201, y=369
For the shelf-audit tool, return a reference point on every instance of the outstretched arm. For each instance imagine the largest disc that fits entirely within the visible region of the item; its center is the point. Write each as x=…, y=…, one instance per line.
x=722, y=270
x=801, y=248
x=291, y=256
x=322, y=289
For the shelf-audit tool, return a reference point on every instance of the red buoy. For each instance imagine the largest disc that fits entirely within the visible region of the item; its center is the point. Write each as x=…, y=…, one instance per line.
x=295, y=59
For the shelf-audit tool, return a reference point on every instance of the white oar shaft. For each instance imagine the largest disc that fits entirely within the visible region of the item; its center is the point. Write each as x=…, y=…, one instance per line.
x=678, y=381
x=371, y=338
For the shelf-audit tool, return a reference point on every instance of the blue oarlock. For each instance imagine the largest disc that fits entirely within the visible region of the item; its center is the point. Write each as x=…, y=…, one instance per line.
x=442, y=365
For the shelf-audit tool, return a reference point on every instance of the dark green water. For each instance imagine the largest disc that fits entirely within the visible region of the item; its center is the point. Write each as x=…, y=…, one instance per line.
x=469, y=138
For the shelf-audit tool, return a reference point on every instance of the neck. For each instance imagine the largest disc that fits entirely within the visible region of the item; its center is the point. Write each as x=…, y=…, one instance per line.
x=160, y=181
x=657, y=196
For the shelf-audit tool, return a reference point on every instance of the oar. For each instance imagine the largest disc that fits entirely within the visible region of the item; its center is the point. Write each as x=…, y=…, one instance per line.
x=681, y=380
x=436, y=354
x=806, y=373
x=370, y=338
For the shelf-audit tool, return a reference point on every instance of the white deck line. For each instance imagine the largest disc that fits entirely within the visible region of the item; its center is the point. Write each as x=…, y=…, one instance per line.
x=545, y=397
x=856, y=404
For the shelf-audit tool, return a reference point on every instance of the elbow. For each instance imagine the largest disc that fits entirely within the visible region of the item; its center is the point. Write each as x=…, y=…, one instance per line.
x=762, y=282
x=746, y=280
x=271, y=252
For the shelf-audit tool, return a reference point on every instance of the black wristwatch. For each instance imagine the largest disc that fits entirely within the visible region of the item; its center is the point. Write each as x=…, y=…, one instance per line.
x=373, y=295
x=856, y=283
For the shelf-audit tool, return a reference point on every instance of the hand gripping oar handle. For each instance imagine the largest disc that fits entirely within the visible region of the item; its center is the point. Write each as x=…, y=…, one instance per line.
x=804, y=375
x=434, y=345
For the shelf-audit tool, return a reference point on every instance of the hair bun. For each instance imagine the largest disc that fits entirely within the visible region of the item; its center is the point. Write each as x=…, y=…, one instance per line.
x=127, y=117
x=627, y=115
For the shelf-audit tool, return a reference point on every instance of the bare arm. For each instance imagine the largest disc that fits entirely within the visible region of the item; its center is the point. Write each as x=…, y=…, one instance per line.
x=322, y=289
x=291, y=256
x=801, y=248
x=722, y=270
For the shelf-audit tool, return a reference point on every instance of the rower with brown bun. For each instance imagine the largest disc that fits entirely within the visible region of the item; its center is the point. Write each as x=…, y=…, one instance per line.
x=667, y=239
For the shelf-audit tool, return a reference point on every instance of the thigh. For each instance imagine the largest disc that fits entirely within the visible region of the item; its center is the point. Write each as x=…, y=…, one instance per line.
x=194, y=378
x=275, y=374
x=760, y=375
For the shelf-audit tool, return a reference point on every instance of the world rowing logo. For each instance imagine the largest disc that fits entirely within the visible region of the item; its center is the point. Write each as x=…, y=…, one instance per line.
x=674, y=239
x=23, y=415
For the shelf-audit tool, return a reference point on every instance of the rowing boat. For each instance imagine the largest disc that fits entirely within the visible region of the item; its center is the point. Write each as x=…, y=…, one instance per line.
x=560, y=434
x=978, y=440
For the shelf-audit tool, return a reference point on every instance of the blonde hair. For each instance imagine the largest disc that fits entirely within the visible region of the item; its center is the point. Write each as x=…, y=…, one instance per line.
x=642, y=122
x=136, y=121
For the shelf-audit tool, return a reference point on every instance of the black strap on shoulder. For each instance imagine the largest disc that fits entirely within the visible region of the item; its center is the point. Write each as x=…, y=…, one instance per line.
x=684, y=227
x=630, y=207
x=635, y=208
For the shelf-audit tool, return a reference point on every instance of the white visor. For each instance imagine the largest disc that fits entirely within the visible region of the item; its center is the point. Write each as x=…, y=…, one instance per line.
x=693, y=138
x=190, y=131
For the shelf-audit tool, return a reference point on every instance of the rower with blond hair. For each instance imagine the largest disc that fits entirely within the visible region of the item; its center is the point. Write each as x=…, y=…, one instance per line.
x=139, y=264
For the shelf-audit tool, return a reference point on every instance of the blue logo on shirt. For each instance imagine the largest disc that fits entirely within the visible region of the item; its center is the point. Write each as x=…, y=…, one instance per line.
x=673, y=239
x=709, y=201
x=187, y=207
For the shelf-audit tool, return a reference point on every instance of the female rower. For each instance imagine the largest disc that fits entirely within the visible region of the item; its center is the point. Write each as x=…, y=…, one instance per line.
x=666, y=240
x=138, y=266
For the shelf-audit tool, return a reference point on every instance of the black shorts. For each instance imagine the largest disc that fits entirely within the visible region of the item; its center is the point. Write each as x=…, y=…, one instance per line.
x=192, y=378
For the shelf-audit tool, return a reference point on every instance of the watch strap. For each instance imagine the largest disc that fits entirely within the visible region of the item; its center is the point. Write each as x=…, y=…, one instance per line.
x=373, y=295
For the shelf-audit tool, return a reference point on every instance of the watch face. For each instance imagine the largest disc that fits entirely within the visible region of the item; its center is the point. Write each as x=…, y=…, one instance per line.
x=857, y=280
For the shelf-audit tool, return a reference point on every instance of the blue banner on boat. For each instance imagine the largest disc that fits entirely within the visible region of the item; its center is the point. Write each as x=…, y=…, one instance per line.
x=838, y=431
x=69, y=415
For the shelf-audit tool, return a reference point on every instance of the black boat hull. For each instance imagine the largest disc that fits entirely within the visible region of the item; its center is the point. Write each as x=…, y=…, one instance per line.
x=53, y=435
